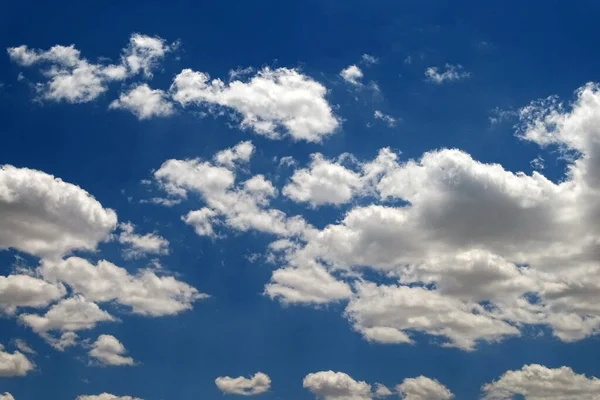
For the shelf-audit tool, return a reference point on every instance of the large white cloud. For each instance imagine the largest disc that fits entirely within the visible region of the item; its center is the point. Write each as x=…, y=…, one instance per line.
x=45, y=216
x=72, y=314
x=257, y=384
x=536, y=382
x=146, y=292
x=27, y=291
x=423, y=388
x=272, y=102
x=74, y=79
x=476, y=251
x=14, y=364
x=336, y=386
x=107, y=350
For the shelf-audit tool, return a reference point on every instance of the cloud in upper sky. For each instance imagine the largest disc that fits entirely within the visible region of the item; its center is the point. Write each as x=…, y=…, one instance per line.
x=144, y=102
x=352, y=74
x=447, y=74
x=257, y=384
x=107, y=350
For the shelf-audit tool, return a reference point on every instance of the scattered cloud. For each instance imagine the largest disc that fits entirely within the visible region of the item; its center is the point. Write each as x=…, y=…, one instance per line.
x=352, y=74
x=239, y=154
x=536, y=382
x=6, y=396
x=138, y=246
x=23, y=346
x=14, y=364
x=27, y=291
x=388, y=119
x=369, y=60
x=331, y=385
x=257, y=384
x=450, y=73
x=144, y=102
x=271, y=103
x=106, y=396
x=107, y=350
x=423, y=388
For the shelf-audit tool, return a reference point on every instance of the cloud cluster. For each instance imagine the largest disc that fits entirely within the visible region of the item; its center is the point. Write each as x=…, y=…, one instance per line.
x=257, y=384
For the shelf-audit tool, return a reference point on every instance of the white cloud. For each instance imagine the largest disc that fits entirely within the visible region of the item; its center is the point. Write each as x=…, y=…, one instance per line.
x=74, y=79
x=369, y=60
x=146, y=292
x=27, y=291
x=6, y=396
x=352, y=74
x=423, y=388
x=106, y=396
x=14, y=364
x=23, y=346
x=64, y=341
x=107, y=350
x=257, y=384
x=388, y=119
x=536, y=382
x=240, y=153
x=381, y=391
x=72, y=314
x=449, y=74
x=268, y=102
x=45, y=216
x=336, y=386
x=138, y=246
x=144, y=102
x=325, y=182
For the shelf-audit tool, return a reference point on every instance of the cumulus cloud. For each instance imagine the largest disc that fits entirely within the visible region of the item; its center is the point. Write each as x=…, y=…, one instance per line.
x=106, y=396
x=423, y=388
x=144, y=102
x=27, y=291
x=257, y=384
x=107, y=350
x=448, y=74
x=6, y=396
x=271, y=102
x=145, y=292
x=74, y=79
x=45, y=216
x=238, y=154
x=536, y=382
x=72, y=314
x=352, y=74
x=336, y=386
x=14, y=364
x=138, y=246
x=64, y=341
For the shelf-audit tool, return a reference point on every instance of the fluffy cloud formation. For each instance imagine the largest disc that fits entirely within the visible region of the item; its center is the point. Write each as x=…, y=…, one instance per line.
x=138, y=246
x=336, y=386
x=74, y=79
x=536, y=382
x=423, y=388
x=257, y=384
x=144, y=102
x=269, y=102
x=64, y=341
x=352, y=75
x=45, y=216
x=477, y=251
x=238, y=154
x=72, y=314
x=6, y=396
x=13, y=364
x=27, y=291
x=146, y=292
x=448, y=74
x=107, y=350
x=106, y=396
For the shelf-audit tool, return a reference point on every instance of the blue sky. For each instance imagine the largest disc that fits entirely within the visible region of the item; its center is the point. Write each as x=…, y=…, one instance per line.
x=297, y=200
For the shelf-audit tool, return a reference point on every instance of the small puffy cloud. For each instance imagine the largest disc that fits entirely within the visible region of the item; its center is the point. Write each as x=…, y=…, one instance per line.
x=144, y=52
x=72, y=314
x=352, y=74
x=537, y=382
x=269, y=102
x=381, y=391
x=45, y=216
x=6, y=396
x=448, y=74
x=106, y=396
x=388, y=119
x=27, y=291
x=138, y=246
x=324, y=182
x=23, y=346
x=146, y=292
x=64, y=341
x=14, y=364
x=239, y=154
x=107, y=350
x=331, y=385
x=423, y=388
x=257, y=384
x=144, y=102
